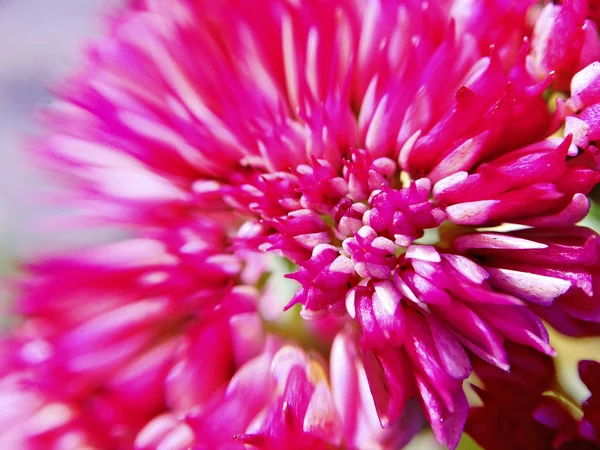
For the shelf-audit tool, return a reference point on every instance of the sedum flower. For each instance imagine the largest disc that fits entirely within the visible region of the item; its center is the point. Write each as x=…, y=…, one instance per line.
x=339, y=135
x=524, y=409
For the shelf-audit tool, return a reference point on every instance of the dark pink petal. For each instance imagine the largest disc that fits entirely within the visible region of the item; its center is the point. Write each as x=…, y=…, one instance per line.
x=474, y=333
x=451, y=353
x=188, y=383
x=446, y=426
x=519, y=325
x=422, y=351
x=388, y=372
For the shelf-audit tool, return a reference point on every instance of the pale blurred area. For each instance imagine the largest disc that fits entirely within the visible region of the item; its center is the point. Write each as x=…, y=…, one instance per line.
x=40, y=42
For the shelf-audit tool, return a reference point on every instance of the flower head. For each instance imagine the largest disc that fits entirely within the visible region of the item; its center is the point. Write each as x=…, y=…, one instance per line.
x=524, y=409
x=364, y=142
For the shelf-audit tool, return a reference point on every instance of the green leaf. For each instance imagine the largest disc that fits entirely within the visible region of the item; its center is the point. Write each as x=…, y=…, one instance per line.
x=467, y=443
x=592, y=220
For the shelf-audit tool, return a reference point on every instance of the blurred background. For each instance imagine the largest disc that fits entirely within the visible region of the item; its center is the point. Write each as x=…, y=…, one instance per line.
x=40, y=42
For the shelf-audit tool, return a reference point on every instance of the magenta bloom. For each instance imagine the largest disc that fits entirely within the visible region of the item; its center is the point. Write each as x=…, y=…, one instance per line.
x=365, y=143
x=521, y=408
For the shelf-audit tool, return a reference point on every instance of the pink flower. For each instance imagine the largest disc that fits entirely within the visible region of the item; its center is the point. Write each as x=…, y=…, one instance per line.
x=282, y=399
x=564, y=41
x=363, y=142
x=524, y=409
x=33, y=419
x=133, y=324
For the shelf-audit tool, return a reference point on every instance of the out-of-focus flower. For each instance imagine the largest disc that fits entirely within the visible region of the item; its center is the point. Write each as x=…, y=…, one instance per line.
x=135, y=326
x=589, y=372
x=335, y=134
x=521, y=408
x=283, y=399
x=564, y=41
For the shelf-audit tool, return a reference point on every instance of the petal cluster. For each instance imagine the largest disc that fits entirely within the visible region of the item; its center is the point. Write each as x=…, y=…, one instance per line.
x=523, y=409
x=366, y=142
x=554, y=269
x=283, y=397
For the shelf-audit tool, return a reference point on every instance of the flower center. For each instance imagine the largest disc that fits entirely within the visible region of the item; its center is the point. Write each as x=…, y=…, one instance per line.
x=342, y=228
